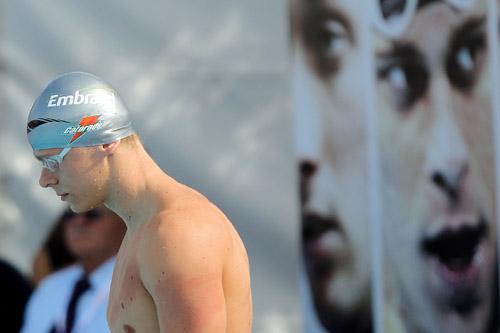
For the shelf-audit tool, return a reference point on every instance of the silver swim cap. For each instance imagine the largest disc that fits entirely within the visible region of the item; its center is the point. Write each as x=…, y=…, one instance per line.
x=78, y=110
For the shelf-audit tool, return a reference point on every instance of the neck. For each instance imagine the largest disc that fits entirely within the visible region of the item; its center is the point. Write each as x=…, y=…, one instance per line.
x=134, y=186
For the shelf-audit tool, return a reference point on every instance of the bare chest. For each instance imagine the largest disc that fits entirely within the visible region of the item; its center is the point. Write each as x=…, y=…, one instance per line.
x=131, y=308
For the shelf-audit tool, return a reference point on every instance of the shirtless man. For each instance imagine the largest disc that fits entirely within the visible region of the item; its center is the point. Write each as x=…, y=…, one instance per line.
x=182, y=266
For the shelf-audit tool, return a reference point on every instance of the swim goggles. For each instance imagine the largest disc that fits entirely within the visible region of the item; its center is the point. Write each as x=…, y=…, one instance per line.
x=392, y=17
x=53, y=162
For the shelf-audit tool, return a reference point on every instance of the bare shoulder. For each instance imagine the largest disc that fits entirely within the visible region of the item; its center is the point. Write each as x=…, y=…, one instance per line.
x=185, y=239
x=200, y=223
x=187, y=265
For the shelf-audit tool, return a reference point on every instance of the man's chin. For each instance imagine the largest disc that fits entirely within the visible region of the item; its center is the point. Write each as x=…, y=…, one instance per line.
x=355, y=320
x=466, y=301
x=79, y=208
x=75, y=208
x=348, y=308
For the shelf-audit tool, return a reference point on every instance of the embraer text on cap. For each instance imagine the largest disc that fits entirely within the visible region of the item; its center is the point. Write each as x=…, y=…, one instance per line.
x=103, y=97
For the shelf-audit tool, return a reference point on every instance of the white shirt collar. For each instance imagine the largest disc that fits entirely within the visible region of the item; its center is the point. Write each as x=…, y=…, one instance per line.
x=102, y=273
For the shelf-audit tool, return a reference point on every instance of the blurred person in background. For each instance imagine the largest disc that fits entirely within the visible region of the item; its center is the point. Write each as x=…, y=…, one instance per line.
x=54, y=254
x=15, y=291
x=75, y=298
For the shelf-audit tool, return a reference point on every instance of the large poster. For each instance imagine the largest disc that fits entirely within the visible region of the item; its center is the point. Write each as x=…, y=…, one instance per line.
x=432, y=142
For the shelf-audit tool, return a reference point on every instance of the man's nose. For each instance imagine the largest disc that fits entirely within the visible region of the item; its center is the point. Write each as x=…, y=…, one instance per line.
x=307, y=170
x=451, y=180
x=47, y=178
x=448, y=159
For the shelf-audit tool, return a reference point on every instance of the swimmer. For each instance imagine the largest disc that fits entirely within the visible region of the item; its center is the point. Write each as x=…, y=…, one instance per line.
x=182, y=267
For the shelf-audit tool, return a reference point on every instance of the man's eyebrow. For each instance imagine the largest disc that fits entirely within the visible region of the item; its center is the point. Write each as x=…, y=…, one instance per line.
x=467, y=28
x=422, y=3
x=404, y=50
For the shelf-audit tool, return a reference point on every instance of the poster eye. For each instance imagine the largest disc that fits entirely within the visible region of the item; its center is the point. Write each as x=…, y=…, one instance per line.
x=397, y=78
x=327, y=36
x=464, y=63
x=465, y=58
x=406, y=78
x=337, y=40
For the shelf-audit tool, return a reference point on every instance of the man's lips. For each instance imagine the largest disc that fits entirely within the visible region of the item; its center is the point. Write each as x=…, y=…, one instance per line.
x=315, y=225
x=455, y=252
x=63, y=196
x=455, y=247
x=323, y=242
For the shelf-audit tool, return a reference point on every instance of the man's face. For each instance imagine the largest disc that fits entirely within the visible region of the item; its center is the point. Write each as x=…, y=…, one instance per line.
x=93, y=234
x=436, y=143
x=79, y=180
x=327, y=58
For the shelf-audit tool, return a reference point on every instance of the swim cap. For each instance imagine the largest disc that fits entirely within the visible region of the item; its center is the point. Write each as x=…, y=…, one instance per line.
x=77, y=109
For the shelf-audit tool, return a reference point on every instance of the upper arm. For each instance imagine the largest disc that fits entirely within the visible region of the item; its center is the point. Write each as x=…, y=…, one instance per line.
x=181, y=267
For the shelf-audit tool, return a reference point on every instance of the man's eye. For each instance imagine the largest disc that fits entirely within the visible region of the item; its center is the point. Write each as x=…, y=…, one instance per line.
x=406, y=81
x=326, y=39
x=337, y=38
x=463, y=62
x=465, y=59
x=397, y=79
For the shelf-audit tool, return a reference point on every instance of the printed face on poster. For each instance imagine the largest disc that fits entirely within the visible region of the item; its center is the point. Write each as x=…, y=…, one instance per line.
x=332, y=153
x=435, y=135
x=432, y=97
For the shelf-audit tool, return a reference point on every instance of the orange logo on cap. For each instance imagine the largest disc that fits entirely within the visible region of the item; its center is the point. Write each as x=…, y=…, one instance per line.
x=85, y=125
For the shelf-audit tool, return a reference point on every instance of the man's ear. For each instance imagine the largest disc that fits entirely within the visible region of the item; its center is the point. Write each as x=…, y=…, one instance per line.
x=110, y=148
